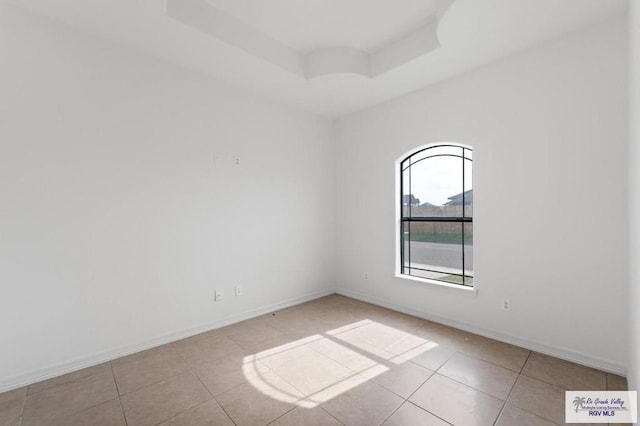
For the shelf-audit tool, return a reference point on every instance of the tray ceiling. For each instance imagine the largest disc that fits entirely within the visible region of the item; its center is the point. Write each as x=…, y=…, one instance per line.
x=331, y=57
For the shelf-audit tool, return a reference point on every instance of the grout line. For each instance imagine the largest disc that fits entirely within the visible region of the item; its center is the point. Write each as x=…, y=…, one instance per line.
x=124, y=416
x=181, y=412
x=295, y=404
x=404, y=401
x=540, y=380
x=73, y=413
x=495, y=363
x=171, y=376
x=554, y=384
x=463, y=384
x=24, y=404
x=342, y=379
x=427, y=339
x=283, y=414
x=418, y=388
x=468, y=386
x=162, y=379
x=504, y=404
x=546, y=383
x=456, y=351
x=523, y=409
x=192, y=371
x=66, y=382
x=327, y=411
x=427, y=411
x=551, y=384
x=305, y=396
x=433, y=374
x=261, y=376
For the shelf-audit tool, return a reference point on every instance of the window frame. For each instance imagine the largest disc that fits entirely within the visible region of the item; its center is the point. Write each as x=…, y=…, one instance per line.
x=403, y=271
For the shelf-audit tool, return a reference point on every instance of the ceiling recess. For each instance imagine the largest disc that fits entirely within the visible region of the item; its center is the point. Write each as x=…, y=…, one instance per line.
x=326, y=60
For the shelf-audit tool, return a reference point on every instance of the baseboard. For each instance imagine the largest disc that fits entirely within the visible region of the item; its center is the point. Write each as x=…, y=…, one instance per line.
x=7, y=384
x=555, y=351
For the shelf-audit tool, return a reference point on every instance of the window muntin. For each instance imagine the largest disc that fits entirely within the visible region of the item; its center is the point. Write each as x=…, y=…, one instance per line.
x=436, y=205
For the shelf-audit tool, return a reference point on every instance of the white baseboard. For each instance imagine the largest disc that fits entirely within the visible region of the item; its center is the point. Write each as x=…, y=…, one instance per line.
x=10, y=383
x=7, y=384
x=555, y=351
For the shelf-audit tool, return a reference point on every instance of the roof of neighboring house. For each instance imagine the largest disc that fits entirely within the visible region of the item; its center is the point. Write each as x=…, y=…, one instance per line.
x=456, y=200
x=410, y=199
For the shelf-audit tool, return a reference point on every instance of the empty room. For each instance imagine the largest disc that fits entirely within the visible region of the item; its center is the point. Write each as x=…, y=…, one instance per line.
x=319, y=212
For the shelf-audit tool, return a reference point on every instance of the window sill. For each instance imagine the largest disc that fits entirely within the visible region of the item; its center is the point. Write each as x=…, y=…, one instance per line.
x=470, y=291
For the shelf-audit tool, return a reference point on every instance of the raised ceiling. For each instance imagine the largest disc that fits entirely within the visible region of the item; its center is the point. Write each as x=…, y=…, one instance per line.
x=332, y=44
x=307, y=25
x=332, y=57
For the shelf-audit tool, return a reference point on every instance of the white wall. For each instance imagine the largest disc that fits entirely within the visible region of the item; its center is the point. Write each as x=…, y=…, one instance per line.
x=121, y=211
x=633, y=376
x=549, y=132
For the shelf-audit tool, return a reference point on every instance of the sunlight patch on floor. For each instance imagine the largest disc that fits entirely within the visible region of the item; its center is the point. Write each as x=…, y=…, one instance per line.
x=360, y=346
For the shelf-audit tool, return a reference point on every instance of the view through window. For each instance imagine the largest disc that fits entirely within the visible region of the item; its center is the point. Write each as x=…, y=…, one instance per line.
x=436, y=224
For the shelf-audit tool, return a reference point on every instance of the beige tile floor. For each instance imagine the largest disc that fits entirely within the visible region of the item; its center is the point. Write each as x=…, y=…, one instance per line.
x=331, y=361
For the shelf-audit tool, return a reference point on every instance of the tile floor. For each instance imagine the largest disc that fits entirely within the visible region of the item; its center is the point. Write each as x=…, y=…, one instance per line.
x=331, y=361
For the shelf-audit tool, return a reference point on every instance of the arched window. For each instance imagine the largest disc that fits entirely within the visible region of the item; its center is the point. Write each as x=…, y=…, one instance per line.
x=436, y=214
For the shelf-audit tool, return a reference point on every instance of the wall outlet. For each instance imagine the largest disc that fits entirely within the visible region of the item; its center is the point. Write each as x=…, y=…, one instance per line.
x=506, y=304
x=218, y=295
x=366, y=277
x=238, y=290
x=236, y=161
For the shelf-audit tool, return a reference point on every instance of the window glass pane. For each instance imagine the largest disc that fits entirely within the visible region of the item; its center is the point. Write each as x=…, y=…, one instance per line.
x=468, y=188
x=438, y=182
x=407, y=199
x=437, y=150
x=405, y=241
x=435, y=246
x=436, y=186
x=468, y=248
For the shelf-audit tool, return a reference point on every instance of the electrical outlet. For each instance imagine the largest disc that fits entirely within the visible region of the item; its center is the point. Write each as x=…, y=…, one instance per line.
x=366, y=277
x=218, y=295
x=506, y=304
x=236, y=161
x=238, y=290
